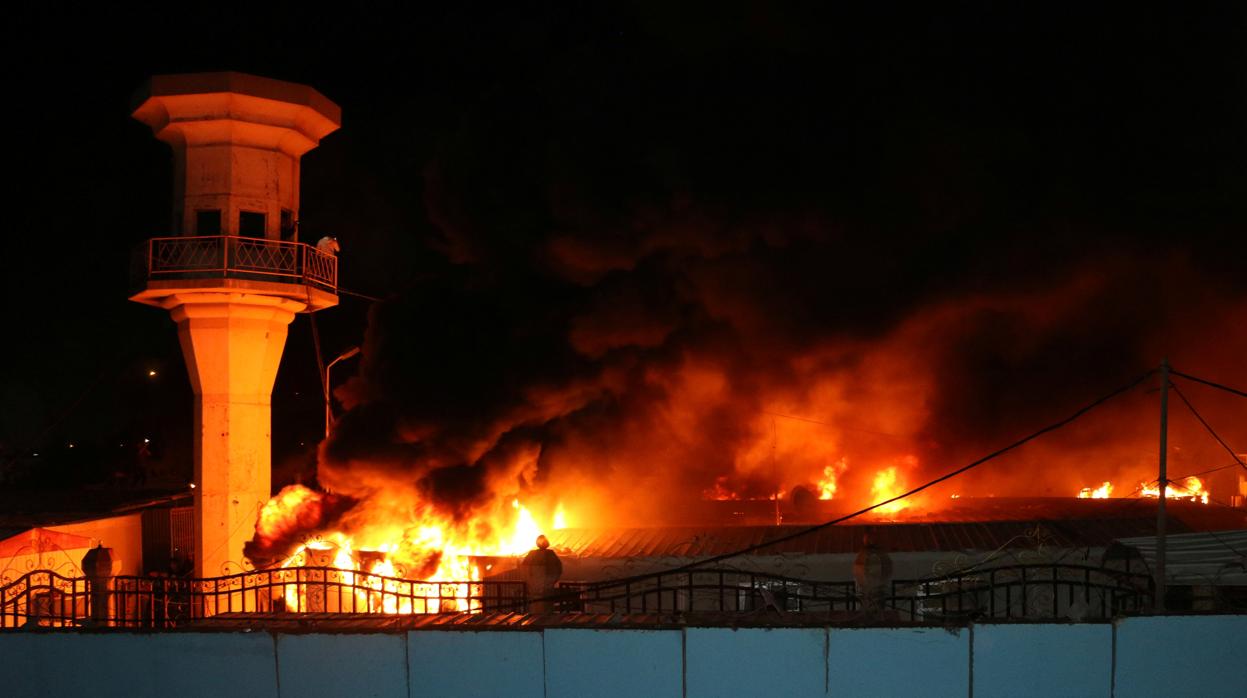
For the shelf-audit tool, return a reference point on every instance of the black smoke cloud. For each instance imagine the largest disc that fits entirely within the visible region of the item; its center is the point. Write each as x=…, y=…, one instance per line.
x=948, y=237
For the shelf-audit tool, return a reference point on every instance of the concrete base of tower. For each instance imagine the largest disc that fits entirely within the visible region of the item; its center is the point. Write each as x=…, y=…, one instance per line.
x=232, y=343
x=161, y=294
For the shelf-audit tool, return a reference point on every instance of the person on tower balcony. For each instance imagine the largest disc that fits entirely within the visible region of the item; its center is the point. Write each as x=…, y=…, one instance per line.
x=329, y=245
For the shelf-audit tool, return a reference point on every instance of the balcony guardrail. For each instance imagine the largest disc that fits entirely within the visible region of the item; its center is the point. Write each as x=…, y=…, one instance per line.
x=225, y=256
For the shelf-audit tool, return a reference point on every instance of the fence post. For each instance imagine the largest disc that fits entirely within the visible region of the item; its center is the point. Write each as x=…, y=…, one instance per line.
x=97, y=565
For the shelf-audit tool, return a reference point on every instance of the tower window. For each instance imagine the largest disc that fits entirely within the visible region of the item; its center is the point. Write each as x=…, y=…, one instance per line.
x=251, y=224
x=208, y=222
x=287, y=224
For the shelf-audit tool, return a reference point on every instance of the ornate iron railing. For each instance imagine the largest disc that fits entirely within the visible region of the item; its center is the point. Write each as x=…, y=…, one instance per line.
x=1023, y=591
x=1016, y=592
x=224, y=256
x=1012, y=592
x=48, y=599
x=43, y=597
x=707, y=590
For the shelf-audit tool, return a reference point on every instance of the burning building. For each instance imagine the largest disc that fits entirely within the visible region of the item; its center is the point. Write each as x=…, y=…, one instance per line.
x=677, y=384
x=670, y=300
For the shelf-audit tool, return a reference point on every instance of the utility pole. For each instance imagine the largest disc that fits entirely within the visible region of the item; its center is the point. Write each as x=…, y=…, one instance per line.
x=775, y=469
x=1162, y=484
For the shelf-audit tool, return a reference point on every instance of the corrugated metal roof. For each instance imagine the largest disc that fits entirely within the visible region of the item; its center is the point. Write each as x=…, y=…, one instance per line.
x=995, y=524
x=1215, y=558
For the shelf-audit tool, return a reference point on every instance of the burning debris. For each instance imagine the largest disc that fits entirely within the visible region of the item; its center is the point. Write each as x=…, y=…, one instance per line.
x=1187, y=488
x=1104, y=491
x=287, y=518
x=302, y=528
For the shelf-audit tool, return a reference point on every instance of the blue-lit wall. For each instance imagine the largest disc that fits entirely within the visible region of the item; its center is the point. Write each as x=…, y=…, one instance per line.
x=1173, y=656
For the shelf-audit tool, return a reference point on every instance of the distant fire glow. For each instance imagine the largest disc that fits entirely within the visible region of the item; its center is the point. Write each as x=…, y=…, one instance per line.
x=1104, y=491
x=1189, y=489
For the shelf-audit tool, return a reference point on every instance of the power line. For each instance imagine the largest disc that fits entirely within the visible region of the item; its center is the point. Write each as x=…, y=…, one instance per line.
x=1224, y=544
x=1173, y=483
x=1218, y=386
x=364, y=296
x=1235, y=464
x=1208, y=426
x=947, y=476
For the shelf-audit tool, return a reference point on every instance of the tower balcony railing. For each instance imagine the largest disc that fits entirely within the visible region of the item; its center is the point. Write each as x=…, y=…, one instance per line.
x=227, y=256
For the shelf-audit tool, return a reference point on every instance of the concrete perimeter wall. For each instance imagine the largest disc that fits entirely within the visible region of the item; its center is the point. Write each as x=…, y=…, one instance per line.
x=1169, y=656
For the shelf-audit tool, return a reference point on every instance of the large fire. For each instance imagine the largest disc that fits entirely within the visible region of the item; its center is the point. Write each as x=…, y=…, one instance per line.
x=431, y=548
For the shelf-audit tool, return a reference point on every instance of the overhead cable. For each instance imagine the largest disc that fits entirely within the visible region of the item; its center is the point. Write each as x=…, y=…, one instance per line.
x=1208, y=426
x=1209, y=383
x=356, y=294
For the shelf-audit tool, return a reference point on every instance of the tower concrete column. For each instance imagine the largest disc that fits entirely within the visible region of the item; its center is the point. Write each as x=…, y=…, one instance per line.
x=232, y=343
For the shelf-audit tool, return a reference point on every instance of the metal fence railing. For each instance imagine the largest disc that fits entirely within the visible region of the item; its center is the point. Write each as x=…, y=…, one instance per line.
x=707, y=590
x=1011, y=592
x=43, y=597
x=224, y=256
x=1023, y=591
x=48, y=599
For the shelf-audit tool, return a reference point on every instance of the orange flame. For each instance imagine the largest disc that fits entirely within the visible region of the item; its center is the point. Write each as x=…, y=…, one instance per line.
x=887, y=484
x=1104, y=491
x=1187, y=488
x=827, y=485
x=431, y=552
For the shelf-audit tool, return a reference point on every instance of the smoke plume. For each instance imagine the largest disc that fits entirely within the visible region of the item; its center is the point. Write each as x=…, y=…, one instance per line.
x=663, y=282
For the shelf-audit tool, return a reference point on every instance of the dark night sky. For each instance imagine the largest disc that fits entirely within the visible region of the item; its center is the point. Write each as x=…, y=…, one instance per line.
x=813, y=177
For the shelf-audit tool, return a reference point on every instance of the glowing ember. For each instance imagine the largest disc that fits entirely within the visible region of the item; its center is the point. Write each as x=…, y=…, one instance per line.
x=1104, y=491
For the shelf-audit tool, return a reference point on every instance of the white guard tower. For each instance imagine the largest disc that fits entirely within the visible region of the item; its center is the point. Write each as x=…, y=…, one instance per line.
x=233, y=276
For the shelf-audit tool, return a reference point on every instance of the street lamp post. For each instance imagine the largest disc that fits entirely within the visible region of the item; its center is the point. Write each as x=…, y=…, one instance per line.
x=328, y=392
